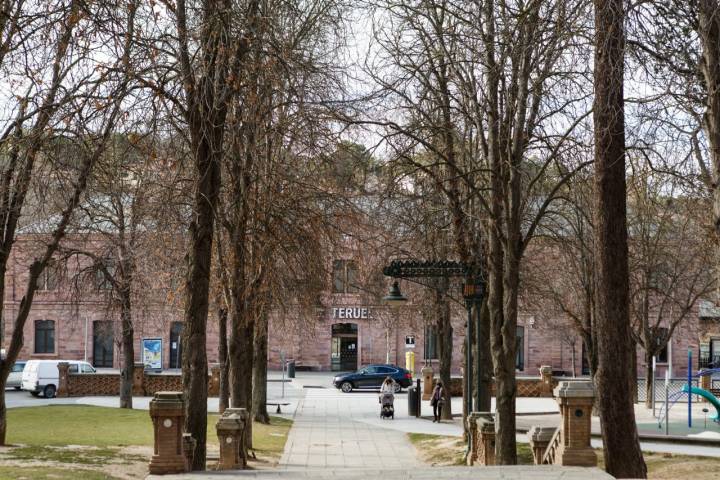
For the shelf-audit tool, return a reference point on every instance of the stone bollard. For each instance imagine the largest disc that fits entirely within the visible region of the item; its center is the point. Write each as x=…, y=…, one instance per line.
x=482, y=438
x=546, y=377
x=167, y=410
x=63, y=380
x=138, y=388
x=427, y=378
x=539, y=439
x=576, y=402
x=214, y=385
x=231, y=427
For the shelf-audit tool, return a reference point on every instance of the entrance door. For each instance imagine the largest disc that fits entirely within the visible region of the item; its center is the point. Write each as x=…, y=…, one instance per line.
x=175, y=345
x=103, y=344
x=344, y=347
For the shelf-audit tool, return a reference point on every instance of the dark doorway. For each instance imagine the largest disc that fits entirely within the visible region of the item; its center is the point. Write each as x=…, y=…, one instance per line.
x=103, y=344
x=175, y=345
x=585, y=364
x=344, y=347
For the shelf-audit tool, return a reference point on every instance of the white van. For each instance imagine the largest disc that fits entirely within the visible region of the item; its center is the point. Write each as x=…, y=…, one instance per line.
x=42, y=376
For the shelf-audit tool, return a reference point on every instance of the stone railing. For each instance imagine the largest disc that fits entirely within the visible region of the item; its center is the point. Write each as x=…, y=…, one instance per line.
x=145, y=384
x=569, y=444
x=540, y=386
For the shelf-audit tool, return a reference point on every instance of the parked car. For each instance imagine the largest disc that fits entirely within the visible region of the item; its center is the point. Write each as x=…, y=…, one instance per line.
x=15, y=378
x=371, y=377
x=41, y=376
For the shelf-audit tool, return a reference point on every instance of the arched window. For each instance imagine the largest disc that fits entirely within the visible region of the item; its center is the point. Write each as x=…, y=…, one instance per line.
x=44, y=336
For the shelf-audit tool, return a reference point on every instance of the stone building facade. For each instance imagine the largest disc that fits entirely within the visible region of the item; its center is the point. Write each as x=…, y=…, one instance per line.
x=345, y=332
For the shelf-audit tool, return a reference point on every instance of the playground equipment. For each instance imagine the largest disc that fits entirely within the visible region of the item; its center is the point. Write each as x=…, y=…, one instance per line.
x=689, y=390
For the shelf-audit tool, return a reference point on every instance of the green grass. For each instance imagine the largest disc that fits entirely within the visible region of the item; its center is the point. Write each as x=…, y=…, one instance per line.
x=61, y=425
x=50, y=473
x=77, y=436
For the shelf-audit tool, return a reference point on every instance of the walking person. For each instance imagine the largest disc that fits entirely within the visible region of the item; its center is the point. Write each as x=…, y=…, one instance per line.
x=437, y=400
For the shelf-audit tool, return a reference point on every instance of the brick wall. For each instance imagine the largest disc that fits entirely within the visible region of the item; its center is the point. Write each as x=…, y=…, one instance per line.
x=102, y=384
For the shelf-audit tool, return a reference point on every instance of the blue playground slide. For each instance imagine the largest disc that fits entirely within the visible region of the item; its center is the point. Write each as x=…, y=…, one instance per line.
x=708, y=396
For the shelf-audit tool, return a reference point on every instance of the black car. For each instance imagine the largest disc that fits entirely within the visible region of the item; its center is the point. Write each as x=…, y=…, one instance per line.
x=373, y=376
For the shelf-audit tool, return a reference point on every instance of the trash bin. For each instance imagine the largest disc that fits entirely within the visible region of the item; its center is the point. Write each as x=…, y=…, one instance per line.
x=413, y=403
x=291, y=368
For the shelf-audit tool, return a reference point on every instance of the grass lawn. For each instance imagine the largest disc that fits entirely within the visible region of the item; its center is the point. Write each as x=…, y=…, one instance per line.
x=441, y=450
x=76, y=438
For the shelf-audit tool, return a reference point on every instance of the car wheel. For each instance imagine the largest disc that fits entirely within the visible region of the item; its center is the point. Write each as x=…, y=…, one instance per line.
x=17, y=388
x=346, y=387
x=397, y=388
x=49, y=391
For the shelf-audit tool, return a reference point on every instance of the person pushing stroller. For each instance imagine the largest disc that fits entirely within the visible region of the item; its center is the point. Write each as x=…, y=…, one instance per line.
x=387, y=398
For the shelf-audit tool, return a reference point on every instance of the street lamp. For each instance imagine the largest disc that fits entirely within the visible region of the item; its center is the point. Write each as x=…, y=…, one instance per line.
x=393, y=299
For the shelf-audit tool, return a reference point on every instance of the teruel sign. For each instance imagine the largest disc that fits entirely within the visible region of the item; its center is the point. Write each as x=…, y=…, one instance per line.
x=353, y=313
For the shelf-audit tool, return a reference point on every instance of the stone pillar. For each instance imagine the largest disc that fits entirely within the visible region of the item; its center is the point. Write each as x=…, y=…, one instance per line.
x=539, y=439
x=482, y=438
x=427, y=378
x=546, y=377
x=576, y=402
x=63, y=372
x=231, y=428
x=167, y=410
x=188, y=445
x=473, y=438
x=214, y=385
x=138, y=388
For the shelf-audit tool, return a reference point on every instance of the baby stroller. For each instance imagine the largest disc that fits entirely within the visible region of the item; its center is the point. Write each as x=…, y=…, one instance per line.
x=387, y=409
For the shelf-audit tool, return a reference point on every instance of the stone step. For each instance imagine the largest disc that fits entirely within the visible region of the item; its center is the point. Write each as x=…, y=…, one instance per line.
x=520, y=472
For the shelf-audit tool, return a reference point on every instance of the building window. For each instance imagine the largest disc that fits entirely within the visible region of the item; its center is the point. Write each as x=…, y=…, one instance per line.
x=431, y=342
x=104, y=274
x=345, y=276
x=520, y=349
x=48, y=278
x=103, y=337
x=662, y=335
x=44, y=336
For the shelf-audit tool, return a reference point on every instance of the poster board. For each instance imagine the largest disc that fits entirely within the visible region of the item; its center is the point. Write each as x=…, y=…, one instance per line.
x=152, y=353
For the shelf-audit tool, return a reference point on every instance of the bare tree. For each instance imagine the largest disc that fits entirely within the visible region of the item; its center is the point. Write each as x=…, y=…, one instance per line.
x=669, y=254
x=621, y=444
x=61, y=97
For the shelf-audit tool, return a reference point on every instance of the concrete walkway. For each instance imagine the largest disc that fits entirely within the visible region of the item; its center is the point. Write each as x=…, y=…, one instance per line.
x=328, y=431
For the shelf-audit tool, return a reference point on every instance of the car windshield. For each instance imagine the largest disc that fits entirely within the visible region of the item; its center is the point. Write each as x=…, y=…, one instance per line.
x=18, y=367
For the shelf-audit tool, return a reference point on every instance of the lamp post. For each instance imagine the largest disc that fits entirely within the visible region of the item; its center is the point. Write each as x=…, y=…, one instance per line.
x=473, y=291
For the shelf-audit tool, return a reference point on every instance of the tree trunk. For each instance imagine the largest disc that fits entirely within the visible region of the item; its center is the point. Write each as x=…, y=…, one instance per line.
x=621, y=446
x=260, y=371
x=206, y=142
x=224, y=394
x=709, y=33
x=505, y=436
x=3, y=409
x=483, y=361
x=128, y=350
x=649, y=374
x=445, y=347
